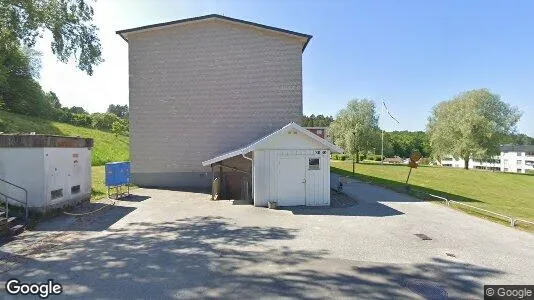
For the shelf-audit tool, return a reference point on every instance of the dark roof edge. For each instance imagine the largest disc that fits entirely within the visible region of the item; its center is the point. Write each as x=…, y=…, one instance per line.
x=307, y=36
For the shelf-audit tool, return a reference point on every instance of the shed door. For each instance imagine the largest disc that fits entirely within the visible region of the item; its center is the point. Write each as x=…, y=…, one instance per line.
x=291, y=181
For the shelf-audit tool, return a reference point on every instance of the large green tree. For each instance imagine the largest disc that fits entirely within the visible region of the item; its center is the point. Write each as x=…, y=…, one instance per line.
x=471, y=125
x=69, y=22
x=356, y=127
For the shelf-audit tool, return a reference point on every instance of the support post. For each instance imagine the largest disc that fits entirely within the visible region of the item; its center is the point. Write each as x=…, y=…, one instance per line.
x=212, y=179
x=222, y=190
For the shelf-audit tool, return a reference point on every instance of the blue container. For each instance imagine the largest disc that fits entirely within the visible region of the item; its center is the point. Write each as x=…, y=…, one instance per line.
x=117, y=173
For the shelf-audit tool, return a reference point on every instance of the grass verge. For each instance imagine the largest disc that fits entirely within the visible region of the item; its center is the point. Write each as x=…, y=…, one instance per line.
x=505, y=193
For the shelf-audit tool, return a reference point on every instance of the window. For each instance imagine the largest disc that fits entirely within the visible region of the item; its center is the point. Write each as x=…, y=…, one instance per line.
x=519, y=153
x=313, y=164
x=505, y=169
x=75, y=189
x=505, y=161
x=56, y=194
x=518, y=170
x=519, y=161
x=530, y=153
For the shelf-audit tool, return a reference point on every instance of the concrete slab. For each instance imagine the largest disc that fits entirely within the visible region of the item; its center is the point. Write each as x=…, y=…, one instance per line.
x=174, y=244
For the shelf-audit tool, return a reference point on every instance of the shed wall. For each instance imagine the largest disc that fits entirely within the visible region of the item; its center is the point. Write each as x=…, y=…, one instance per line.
x=23, y=167
x=265, y=174
x=41, y=170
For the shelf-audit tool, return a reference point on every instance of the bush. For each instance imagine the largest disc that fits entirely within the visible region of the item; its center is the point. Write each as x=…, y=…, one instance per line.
x=104, y=121
x=82, y=120
x=120, y=127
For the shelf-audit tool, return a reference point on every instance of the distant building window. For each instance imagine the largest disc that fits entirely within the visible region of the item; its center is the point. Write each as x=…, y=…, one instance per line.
x=530, y=153
x=505, y=161
x=519, y=153
x=518, y=170
x=313, y=164
x=505, y=169
x=519, y=161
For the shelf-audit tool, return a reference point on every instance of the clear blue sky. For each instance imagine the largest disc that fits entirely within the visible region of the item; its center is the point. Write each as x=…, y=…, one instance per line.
x=411, y=54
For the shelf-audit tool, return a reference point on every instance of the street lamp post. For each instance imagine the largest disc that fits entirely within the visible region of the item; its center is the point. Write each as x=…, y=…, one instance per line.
x=353, y=149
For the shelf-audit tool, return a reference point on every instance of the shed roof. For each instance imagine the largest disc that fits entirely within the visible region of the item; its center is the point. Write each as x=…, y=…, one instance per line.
x=256, y=144
x=43, y=141
x=123, y=33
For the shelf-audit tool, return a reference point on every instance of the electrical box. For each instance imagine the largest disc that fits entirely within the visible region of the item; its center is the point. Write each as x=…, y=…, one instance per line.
x=117, y=173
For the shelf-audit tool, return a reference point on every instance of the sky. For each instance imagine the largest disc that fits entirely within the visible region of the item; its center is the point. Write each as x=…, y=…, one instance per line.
x=409, y=54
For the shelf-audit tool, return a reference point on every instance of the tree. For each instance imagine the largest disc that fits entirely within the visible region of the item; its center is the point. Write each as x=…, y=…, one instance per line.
x=78, y=110
x=316, y=121
x=404, y=143
x=52, y=98
x=69, y=22
x=471, y=125
x=120, y=111
x=104, y=121
x=120, y=127
x=356, y=127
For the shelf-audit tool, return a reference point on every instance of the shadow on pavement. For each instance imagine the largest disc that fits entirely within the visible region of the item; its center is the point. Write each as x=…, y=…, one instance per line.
x=200, y=257
x=103, y=217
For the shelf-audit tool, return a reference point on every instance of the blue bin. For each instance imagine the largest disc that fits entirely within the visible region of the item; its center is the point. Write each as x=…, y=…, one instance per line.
x=117, y=173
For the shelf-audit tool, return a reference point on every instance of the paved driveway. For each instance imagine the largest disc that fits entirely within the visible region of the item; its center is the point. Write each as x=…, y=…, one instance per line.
x=171, y=244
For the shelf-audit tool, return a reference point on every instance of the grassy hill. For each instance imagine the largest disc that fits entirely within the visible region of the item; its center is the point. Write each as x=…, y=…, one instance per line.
x=107, y=146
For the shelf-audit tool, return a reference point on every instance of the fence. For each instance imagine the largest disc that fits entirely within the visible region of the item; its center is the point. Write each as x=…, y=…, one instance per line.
x=513, y=221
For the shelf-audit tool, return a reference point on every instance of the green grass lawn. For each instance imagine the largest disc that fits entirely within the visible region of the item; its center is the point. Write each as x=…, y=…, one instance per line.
x=98, y=190
x=506, y=193
x=107, y=146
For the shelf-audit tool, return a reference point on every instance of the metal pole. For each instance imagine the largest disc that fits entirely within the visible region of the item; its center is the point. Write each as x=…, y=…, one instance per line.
x=381, y=117
x=409, y=175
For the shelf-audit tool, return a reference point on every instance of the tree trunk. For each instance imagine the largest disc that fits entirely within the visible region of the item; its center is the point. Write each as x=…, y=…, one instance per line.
x=357, y=156
x=466, y=163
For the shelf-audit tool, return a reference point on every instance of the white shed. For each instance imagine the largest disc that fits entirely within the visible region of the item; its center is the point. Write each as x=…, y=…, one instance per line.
x=290, y=166
x=44, y=172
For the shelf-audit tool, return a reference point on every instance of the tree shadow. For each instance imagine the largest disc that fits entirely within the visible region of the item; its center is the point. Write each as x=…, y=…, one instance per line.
x=400, y=187
x=211, y=257
x=102, y=218
x=364, y=209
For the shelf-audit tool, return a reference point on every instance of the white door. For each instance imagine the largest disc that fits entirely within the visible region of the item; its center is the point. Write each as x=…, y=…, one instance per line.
x=291, y=181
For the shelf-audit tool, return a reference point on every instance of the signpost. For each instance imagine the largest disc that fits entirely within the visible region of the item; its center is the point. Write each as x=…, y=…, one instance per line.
x=416, y=156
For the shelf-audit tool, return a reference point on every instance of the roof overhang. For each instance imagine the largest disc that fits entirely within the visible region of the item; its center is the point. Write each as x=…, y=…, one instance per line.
x=304, y=37
x=255, y=145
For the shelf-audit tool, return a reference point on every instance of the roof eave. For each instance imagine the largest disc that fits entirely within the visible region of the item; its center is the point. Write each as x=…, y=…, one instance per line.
x=308, y=37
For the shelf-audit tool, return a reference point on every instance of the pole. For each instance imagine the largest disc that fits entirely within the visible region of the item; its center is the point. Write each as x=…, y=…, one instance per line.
x=353, y=149
x=381, y=116
x=409, y=175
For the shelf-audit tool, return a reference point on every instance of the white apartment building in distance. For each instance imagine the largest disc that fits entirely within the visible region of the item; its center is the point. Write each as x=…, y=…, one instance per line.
x=513, y=158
